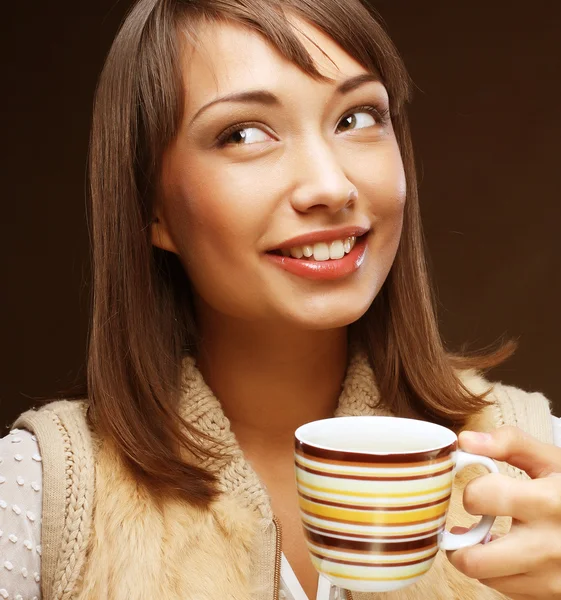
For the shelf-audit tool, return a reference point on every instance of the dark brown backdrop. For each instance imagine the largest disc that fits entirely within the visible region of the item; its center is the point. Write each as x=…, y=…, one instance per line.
x=487, y=126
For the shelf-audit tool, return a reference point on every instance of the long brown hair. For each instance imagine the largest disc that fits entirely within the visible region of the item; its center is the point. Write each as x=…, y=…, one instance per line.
x=142, y=319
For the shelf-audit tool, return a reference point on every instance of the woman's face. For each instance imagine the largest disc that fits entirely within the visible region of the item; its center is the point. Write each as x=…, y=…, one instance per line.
x=298, y=164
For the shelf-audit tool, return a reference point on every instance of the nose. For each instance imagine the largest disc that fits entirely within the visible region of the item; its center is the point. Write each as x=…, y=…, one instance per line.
x=322, y=183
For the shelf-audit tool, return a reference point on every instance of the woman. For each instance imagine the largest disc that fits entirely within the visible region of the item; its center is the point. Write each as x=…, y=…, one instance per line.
x=256, y=239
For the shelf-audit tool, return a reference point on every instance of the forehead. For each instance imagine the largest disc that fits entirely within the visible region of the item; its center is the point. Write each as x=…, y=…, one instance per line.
x=230, y=57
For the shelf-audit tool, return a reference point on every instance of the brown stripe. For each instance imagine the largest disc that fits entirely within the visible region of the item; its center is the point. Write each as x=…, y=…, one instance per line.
x=407, y=524
x=368, y=478
x=402, y=508
x=326, y=541
x=423, y=463
x=360, y=536
x=394, y=457
x=374, y=564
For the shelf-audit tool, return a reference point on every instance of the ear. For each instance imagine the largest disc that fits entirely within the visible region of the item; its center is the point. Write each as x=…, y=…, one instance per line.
x=160, y=235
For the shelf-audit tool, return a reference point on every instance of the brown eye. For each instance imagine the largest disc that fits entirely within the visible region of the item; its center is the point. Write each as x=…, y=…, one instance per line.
x=242, y=135
x=359, y=120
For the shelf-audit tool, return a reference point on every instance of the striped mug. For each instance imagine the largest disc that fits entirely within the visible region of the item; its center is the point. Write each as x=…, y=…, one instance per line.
x=374, y=495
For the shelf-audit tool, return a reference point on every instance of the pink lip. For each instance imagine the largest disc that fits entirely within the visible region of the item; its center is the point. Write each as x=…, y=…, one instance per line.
x=326, y=269
x=328, y=235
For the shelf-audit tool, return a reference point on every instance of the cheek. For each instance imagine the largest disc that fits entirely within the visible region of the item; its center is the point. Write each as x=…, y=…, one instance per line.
x=211, y=215
x=209, y=229
x=384, y=186
x=217, y=219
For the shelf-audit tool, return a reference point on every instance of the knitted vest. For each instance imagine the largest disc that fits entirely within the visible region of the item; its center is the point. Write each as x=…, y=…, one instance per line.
x=104, y=537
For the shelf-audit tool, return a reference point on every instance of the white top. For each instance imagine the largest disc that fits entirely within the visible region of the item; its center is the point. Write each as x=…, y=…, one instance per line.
x=21, y=504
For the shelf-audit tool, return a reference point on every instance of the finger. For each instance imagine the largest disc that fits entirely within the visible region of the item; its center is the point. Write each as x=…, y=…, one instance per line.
x=499, y=558
x=514, y=446
x=527, y=586
x=502, y=496
x=456, y=530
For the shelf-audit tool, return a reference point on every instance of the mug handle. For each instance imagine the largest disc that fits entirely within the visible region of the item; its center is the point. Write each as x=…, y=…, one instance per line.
x=454, y=541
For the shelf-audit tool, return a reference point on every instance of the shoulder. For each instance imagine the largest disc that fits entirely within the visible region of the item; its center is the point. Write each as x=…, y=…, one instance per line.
x=60, y=426
x=509, y=405
x=16, y=443
x=58, y=411
x=20, y=463
x=67, y=448
x=21, y=514
x=21, y=474
x=65, y=440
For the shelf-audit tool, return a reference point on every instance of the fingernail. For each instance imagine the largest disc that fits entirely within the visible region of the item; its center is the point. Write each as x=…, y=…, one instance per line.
x=477, y=437
x=458, y=530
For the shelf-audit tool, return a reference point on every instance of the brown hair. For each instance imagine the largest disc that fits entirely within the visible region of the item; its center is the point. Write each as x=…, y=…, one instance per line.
x=142, y=320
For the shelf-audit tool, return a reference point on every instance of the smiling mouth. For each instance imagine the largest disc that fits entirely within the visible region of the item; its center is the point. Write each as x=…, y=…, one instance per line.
x=320, y=251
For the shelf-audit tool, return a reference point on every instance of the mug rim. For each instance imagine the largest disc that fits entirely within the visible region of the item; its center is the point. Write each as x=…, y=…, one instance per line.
x=331, y=452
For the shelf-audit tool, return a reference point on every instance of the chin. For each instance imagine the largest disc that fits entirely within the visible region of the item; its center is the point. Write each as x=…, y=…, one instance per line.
x=330, y=313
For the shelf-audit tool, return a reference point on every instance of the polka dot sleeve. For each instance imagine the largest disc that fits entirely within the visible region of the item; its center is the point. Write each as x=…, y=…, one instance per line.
x=20, y=516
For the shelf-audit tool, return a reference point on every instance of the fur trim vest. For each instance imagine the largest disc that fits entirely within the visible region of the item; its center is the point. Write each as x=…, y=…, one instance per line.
x=103, y=537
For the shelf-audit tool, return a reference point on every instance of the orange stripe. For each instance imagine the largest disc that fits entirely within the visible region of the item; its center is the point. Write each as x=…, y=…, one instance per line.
x=373, y=517
x=317, y=488
x=374, y=524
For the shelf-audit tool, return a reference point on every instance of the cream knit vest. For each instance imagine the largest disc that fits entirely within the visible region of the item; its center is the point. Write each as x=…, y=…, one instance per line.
x=104, y=538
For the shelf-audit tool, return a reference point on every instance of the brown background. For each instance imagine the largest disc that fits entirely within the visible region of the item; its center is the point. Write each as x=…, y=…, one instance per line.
x=487, y=126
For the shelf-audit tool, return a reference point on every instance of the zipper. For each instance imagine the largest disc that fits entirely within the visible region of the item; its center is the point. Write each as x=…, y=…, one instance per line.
x=278, y=562
x=278, y=558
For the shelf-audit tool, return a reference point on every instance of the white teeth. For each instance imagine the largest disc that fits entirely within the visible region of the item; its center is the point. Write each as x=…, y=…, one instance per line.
x=321, y=251
x=336, y=250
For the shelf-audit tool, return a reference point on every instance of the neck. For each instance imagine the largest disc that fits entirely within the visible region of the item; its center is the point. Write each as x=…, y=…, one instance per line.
x=270, y=380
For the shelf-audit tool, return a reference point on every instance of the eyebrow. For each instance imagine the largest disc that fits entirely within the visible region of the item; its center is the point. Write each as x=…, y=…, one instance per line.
x=268, y=98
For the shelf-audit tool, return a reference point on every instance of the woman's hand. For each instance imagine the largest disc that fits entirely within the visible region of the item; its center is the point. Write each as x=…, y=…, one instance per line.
x=525, y=564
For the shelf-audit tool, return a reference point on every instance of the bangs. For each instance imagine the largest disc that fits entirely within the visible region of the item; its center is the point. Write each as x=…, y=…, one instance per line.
x=353, y=26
